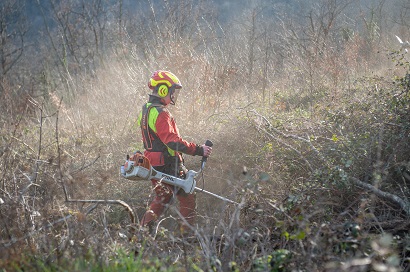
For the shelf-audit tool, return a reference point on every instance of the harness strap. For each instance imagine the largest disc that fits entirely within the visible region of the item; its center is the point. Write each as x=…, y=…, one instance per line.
x=145, y=129
x=146, y=135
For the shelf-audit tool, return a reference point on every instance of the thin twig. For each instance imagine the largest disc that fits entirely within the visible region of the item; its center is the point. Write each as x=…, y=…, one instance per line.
x=60, y=172
x=86, y=166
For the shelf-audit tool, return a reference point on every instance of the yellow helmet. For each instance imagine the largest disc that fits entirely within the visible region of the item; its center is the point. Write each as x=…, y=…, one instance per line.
x=164, y=77
x=164, y=83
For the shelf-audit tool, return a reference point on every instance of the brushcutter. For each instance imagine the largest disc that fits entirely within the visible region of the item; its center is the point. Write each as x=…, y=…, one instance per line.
x=138, y=167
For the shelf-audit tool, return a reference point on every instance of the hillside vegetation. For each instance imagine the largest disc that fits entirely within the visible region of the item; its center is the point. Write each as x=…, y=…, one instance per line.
x=307, y=104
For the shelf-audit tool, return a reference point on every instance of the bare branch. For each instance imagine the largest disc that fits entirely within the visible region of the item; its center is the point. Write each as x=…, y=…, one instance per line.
x=404, y=205
x=100, y=201
x=60, y=172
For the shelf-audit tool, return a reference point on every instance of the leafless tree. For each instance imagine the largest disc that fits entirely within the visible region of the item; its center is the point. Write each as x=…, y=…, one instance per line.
x=13, y=29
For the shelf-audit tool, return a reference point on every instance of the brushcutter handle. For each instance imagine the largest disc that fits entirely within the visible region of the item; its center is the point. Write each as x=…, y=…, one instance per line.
x=207, y=143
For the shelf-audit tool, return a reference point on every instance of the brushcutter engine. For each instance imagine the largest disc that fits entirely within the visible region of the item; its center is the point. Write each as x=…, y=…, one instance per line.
x=137, y=167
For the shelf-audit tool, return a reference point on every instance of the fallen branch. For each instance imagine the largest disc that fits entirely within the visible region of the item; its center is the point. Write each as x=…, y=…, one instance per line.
x=100, y=201
x=404, y=205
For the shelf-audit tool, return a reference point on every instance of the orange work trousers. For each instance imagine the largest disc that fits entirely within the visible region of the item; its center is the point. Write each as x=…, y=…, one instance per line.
x=163, y=195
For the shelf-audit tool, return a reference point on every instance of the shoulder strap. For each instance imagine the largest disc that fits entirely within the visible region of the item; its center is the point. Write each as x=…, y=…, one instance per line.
x=146, y=135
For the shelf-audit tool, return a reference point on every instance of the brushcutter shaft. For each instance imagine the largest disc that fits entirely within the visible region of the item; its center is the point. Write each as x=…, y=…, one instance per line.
x=217, y=196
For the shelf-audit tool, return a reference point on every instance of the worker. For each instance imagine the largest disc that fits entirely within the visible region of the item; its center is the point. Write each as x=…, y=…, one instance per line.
x=164, y=147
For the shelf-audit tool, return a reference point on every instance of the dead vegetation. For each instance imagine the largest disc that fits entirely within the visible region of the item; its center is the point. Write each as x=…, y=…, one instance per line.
x=309, y=120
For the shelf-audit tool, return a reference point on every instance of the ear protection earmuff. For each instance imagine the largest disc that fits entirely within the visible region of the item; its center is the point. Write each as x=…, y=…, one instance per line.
x=162, y=90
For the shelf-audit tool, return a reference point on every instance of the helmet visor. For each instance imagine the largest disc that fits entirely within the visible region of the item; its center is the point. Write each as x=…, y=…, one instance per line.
x=174, y=96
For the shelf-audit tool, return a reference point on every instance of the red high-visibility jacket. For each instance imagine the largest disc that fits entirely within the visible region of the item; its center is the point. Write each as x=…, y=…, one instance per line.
x=160, y=134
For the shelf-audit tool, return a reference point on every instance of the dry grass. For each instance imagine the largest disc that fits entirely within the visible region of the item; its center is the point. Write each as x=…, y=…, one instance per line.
x=285, y=146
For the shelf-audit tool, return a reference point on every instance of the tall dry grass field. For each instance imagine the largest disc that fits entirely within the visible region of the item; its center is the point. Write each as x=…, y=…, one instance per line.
x=308, y=113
